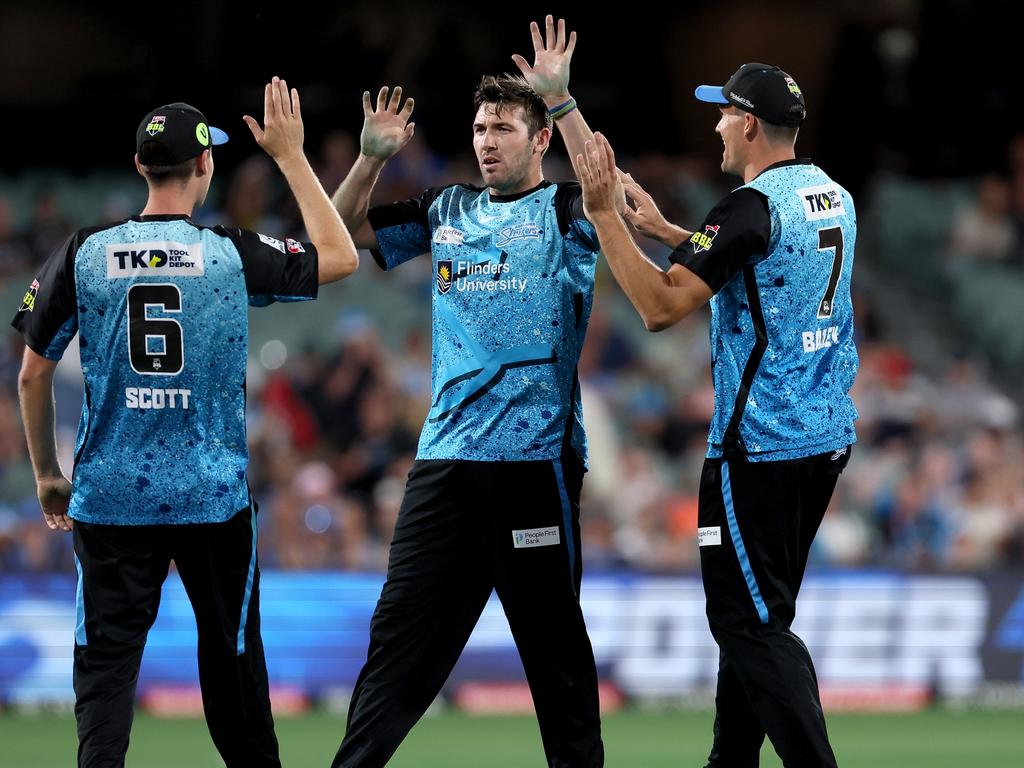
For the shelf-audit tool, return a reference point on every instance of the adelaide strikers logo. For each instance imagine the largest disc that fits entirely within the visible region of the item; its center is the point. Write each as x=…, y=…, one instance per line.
x=444, y=276
x=702, y=240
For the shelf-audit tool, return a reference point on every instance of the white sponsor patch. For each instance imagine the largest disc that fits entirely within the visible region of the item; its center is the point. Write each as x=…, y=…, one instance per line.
x=273, y=242
x=535, y=537
x=155, y=258
x=822, y=202
x=710, y=536
x=448, y=235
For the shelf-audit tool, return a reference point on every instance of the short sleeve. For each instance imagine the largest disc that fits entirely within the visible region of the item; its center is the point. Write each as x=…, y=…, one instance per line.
x=402, y=229
x=275, y=269
x=48, y=315
x=735, y=231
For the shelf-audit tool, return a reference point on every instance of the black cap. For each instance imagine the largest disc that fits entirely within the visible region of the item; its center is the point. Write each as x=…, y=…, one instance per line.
x=174, y=133
x=763, y=90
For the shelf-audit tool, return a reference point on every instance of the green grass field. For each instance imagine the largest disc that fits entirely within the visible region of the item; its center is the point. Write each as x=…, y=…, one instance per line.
x=935, y=739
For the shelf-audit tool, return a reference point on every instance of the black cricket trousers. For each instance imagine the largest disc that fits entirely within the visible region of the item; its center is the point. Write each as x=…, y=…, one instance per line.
x=465, y=528
x=121, y=571
x=756, y=523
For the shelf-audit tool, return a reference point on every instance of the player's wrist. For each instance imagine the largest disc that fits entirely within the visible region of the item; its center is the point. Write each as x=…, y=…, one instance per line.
x=560, y=106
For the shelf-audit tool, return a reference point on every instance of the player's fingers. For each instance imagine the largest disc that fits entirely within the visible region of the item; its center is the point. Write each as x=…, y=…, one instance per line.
x=396, y=98
x=549, y=32
x=257, y=132
x=560, y=37
x=410, y=131
x=367, y=106
x=275, y=97
x=572, y=44
x=629, y=215
x=382, y=99
x=296, y=107
x=407, y=109
x=523, y=64
x=581, y=166
x=538, y=42
x=637, y=192
x=609, y=154
x=50, y=522
x=286, y=101
x=268, y=103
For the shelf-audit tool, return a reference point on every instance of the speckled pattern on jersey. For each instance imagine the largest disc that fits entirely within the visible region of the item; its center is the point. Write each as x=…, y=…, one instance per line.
x=147, y=465
x=799, y=403
x=512, y=296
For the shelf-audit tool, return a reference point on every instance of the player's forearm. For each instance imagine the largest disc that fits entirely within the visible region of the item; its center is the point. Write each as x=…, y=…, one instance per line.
x=672, y=235
x=572, y=126
x=35, y=392
x=659, y=302
x=337, y=254
x=352, y=199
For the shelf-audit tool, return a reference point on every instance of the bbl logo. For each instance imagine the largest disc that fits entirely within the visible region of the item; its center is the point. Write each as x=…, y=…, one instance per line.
x=702, y=240
x=28, y=302
x=444, y=276
x=156, y=125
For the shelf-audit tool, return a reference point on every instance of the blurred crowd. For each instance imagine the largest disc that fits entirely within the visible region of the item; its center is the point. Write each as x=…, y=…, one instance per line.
x=934, y=483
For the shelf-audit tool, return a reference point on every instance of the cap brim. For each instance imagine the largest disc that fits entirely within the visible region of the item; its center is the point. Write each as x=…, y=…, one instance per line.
x=713, y=94
x=217, y=136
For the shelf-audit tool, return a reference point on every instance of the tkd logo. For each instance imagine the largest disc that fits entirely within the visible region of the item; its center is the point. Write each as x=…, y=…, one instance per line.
x=144, y=259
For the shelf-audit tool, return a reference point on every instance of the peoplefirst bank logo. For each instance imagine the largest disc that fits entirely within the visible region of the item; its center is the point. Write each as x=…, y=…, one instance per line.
x=155, y=258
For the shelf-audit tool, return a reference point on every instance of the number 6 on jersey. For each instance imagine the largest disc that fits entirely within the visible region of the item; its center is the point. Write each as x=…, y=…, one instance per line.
x=163, y=333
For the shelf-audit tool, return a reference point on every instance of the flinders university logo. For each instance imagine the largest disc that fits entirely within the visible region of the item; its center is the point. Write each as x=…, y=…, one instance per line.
x=444, y=276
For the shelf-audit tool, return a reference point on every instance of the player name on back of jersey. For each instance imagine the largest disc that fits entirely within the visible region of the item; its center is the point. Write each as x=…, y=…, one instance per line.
x=154, y=398
x=157, y=258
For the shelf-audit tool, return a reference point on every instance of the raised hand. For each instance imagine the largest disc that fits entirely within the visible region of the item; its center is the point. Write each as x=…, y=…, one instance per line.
x=282, y=133
x=386, y=128
x=598, y=176
x=549, y=75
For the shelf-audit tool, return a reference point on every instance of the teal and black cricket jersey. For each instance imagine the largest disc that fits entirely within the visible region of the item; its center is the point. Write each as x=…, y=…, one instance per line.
x=160, y=305
x=778, y=254
x=512, y=292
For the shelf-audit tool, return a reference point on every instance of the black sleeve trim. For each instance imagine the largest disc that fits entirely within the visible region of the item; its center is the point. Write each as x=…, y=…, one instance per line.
x=411, y=211
x=288, y=269
x=735, y=230
x=568, y=205
x=52, y=298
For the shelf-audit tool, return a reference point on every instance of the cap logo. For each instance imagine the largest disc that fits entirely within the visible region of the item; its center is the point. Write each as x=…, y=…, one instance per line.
x=736, y=97
x=203, y=134
x=793, y=87
x=156, y=125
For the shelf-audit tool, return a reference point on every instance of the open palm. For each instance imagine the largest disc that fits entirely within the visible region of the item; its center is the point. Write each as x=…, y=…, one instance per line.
x=386, y=128
x=549, y=75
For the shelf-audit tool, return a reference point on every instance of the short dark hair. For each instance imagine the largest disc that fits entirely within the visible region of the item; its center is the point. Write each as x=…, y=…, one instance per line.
x=165, y=174
x=513, y=91
x=779, y=134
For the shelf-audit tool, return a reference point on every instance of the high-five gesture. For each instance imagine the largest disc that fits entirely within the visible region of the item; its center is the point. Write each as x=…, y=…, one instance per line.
x=601, y=185
x=549, y=75
x=282, y=133
x=386, y=128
